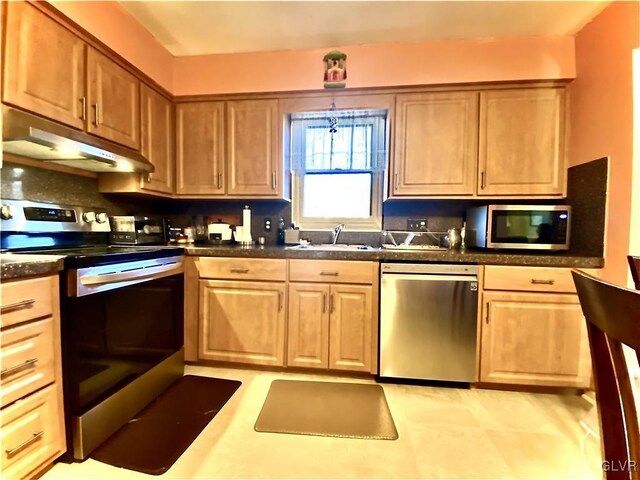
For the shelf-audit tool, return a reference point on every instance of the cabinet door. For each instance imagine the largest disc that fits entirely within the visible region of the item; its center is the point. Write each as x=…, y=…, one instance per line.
x=308, y=333
x=156, y=125
x=534, y=339
x=350, y=327
x=44, y=66
x=252, y=148
x=522, y=142
x=242, y=322
x=436, y=144
x=200, y=148
x=114, y=101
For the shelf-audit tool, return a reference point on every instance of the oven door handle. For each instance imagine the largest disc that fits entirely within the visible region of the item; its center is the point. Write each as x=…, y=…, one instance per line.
x=136, y=274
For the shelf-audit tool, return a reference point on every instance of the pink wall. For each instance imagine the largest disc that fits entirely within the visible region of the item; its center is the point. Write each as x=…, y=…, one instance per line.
x=114, y=26
x=602, y=117
x=433, y=62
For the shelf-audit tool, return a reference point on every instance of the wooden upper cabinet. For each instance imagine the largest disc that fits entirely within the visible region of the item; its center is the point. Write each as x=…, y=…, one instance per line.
x=534, y=339
x=521, y=148
x=44, y=65
x=255, y=168
x=436, y=137
x=200, y=148
x=113, y=99
x=157, y=139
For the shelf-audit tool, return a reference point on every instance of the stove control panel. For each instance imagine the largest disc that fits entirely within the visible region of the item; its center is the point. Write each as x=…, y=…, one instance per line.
x=50, y=214
x=36, y=217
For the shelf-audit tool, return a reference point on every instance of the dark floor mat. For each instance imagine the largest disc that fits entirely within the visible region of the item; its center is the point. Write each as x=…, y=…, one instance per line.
x=153, y=440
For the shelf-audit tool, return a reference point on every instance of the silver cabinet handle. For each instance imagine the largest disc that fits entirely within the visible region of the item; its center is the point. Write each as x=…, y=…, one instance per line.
x=239, y=270
x=34, y=436
x=26, y=363
x=149, y=177
x=219, y=181
x=395, y=177
x=96, y=114
x=331, y=303
x=326, y=273
x=280, y=301
x=84, y=108
x=324, y=303
x=274, y=180
x=23, y=303
x=482, y=180
x=536, y=281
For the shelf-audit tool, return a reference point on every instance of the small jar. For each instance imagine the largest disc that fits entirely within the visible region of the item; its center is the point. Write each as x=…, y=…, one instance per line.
x=188, y=231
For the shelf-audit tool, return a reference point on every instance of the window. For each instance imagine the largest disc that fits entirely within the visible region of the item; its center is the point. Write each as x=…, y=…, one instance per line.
x=338, y=163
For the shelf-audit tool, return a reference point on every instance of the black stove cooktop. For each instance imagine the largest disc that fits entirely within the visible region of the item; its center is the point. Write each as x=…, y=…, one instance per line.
x=93, y=255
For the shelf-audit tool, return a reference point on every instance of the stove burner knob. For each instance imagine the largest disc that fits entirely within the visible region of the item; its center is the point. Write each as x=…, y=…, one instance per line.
x=102, y=217
x=89, y=217
x=6, y=212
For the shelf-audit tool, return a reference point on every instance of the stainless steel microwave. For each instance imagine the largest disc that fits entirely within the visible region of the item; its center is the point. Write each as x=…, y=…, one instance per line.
x=530, y=227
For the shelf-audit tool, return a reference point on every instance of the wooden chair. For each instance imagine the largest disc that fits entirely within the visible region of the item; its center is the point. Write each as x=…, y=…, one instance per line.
x=634, y=265
x=613, y=319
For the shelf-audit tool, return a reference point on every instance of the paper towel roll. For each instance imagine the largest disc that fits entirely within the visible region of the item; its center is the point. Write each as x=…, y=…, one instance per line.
x=246, y=223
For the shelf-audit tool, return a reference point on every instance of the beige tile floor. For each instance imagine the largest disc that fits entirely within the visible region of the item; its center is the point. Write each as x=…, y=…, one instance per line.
x=444, y=433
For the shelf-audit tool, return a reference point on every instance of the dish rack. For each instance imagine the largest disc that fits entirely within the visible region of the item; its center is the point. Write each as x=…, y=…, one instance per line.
x=406, y=240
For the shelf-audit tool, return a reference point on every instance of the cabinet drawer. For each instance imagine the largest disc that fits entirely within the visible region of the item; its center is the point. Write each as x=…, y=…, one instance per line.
x=32, y=433
x=23, y=300
x=243, y=269
x=26, y=359
x=332, y=271
x=528, y=279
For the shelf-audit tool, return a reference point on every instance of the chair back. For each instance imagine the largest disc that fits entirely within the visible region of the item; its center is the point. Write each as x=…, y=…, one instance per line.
x=613, y=319
x=634, y=265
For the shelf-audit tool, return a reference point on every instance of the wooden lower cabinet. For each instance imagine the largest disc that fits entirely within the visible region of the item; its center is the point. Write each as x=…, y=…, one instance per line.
x=308, y=333
x=330, y=326
x=32, y=434
x=32, y=430
x=242, y=322
x=535, y=339
x=350, y=328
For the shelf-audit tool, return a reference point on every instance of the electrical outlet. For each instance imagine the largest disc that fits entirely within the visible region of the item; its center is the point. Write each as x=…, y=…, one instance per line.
x=267, y=224
x=416, y=224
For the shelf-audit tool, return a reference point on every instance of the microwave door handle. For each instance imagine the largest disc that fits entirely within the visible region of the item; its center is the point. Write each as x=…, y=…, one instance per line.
x=140, y=273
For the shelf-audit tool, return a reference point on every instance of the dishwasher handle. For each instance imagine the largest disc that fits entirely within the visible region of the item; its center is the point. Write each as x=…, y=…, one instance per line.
x=417, y=277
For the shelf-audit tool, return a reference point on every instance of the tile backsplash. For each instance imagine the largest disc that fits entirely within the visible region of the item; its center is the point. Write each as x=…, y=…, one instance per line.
x=22, y=182
x=586, y=193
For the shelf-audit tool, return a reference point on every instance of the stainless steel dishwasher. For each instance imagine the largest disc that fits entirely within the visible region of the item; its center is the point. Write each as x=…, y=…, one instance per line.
x=428, y=321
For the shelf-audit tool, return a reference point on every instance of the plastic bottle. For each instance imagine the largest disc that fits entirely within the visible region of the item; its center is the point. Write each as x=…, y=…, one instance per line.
x=281, y=231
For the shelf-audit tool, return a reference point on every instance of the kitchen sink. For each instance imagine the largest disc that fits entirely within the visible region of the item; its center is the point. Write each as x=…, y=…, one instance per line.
x=330, y=247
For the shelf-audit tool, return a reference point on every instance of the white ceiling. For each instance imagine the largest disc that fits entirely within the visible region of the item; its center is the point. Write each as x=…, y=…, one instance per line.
x=207, y=27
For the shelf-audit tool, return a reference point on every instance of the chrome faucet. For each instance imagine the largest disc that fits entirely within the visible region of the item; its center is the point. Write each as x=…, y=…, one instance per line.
x=336, y=233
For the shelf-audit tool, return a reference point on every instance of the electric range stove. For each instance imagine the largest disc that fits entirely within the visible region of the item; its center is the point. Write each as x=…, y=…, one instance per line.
x=121, y=315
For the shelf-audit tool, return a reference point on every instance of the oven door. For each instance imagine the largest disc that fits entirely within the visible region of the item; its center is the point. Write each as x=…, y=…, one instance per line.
x=122, y=332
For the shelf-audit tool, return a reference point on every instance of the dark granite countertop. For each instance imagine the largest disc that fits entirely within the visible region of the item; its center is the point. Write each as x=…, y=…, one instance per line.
x=469, y=256
x=25, y=265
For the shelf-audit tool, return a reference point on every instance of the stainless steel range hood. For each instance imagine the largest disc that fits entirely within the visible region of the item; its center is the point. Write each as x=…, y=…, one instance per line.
x=35, y=137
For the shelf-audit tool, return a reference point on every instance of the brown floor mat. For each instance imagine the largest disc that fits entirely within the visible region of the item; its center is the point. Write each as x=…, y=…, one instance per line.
x=351, y=410
x=157, y=436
